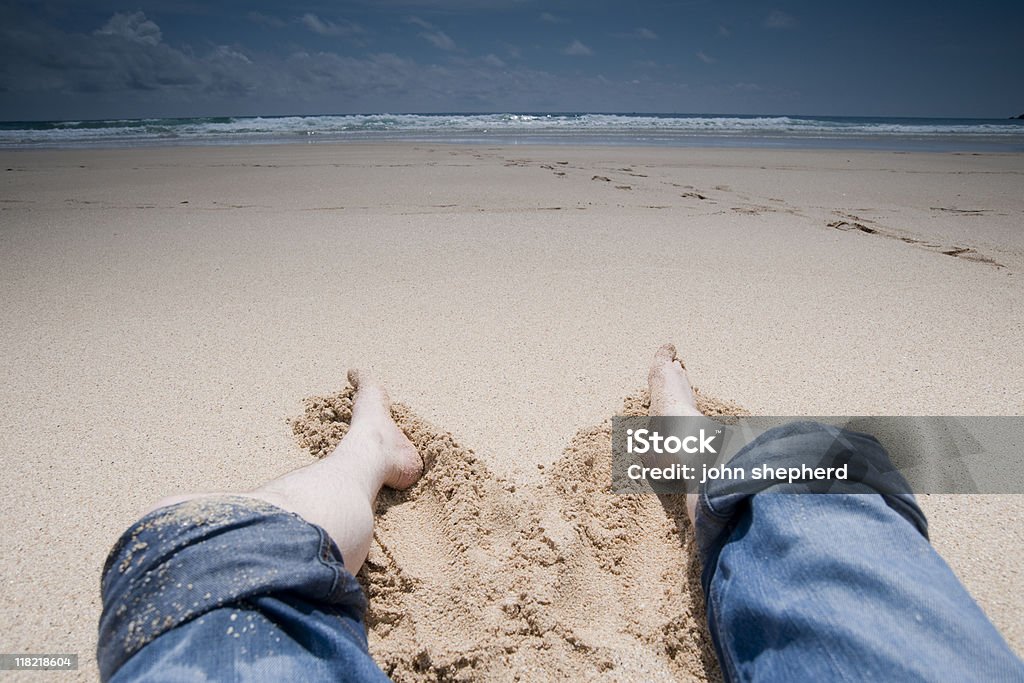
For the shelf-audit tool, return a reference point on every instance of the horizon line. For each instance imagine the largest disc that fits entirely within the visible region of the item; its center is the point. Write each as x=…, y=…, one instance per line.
x=511, y=113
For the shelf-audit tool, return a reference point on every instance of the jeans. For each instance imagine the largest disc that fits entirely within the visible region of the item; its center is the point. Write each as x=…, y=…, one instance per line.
x=838, y=586
x=230, y=589
x=799, y=587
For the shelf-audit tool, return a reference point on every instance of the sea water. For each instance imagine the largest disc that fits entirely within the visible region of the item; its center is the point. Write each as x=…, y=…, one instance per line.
x=686, y=130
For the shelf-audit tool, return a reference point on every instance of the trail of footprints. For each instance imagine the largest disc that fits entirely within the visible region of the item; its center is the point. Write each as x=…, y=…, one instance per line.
x=746, y=206
x=851, y=222
x=619, y=179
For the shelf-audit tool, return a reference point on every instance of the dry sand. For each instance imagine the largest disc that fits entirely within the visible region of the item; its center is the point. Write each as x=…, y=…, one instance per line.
x=471, y=577
x=165, y=311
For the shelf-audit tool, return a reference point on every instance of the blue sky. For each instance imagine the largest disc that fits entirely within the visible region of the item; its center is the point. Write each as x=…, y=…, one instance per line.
x=69, y=59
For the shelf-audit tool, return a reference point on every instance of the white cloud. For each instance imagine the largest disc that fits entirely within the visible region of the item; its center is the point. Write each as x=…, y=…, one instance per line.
x=135, y=27
x=324, y=27
x=724, y=32
x=440, y=40
x=638, y=34
x=266, y=20
x=705, y=58
x=577, y=49
x=779, y=19
x=123, y=70
x=434, y=35
x=551, y=18
x=228, y=52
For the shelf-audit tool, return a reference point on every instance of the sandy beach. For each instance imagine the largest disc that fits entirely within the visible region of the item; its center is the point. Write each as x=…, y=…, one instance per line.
x=166, y=311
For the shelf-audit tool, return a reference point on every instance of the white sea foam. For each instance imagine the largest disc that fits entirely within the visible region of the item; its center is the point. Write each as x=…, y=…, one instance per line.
x=596, y=128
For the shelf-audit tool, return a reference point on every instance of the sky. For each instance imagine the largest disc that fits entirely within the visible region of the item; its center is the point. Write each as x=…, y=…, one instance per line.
x=72, y=59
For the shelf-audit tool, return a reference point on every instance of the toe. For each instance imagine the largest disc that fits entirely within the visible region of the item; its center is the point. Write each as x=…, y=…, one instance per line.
x=665, y=354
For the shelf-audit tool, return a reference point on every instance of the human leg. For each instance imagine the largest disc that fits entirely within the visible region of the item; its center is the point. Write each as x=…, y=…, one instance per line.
x=338, y=492
x=829, y=586
x=257, y=585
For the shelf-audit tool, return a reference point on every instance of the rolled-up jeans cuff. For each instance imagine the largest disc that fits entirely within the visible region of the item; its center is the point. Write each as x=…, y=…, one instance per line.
x=722, y=502
x=180, y=562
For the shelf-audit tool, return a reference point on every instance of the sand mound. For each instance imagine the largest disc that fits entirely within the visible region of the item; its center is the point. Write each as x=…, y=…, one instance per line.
x=472, y=577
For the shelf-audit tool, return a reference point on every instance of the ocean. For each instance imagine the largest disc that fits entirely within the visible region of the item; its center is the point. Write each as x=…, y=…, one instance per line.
x=676, y=130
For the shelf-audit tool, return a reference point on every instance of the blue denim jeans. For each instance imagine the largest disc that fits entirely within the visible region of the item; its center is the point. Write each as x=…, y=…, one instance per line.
x=799, y=587
x=230, y=589
x=839, y=586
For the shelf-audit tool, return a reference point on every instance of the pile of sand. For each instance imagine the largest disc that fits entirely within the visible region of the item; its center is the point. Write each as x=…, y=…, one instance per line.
x=472, y=577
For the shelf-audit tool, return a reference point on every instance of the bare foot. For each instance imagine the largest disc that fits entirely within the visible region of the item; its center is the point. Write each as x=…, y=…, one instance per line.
x=371, y=419
x=671, y=394
x=337, y=493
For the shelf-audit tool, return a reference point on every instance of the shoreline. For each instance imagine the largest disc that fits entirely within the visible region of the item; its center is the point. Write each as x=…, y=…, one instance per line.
x=783, y=131
x=568, y=143
x=537, y=148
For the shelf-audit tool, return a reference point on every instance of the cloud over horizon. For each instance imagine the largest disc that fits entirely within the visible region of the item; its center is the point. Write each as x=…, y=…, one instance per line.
x=779, y=19
x=434, y=35
x=326, y=27
x=163, y=58
x=577, y=49
x=134, y=26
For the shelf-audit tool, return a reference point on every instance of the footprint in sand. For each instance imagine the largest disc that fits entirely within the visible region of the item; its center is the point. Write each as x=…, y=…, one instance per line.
x=472, y=577
x=851, y=223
